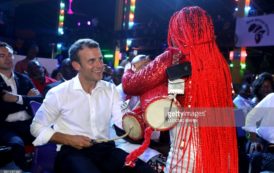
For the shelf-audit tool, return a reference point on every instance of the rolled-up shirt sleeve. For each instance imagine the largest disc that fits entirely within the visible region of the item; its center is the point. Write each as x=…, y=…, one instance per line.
x=44, y=118
x=251, y=120
x=262, y=111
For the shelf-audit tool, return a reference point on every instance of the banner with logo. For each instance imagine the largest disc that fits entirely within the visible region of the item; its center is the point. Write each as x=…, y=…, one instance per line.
x=255, y=31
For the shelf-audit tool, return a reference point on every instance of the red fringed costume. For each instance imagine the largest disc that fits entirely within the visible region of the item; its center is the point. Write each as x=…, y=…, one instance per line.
x=193, y=149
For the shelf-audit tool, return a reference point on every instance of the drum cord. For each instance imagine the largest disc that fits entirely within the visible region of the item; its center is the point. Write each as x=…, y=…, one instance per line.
x=97, y=141
x=166, y=116
x=170, y=107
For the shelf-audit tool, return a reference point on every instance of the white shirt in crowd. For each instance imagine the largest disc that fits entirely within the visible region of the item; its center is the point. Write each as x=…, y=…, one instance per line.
x=264, y=112
x=242, y=103
x=73, y=111
x=20, y=115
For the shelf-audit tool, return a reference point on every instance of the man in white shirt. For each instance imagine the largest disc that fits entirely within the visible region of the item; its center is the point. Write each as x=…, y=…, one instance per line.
x=16, y=91
x=243, y=100
x=263, y=113
x=80, y=110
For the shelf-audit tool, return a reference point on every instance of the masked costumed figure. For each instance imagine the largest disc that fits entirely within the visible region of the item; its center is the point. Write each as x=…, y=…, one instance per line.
x=199, y=149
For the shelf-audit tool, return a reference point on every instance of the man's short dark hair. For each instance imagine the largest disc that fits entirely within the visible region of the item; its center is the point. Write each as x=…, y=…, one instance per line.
x=6, y=45
x=79, y=45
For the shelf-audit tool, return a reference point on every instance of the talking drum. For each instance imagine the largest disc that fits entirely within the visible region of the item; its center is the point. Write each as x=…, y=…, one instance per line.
x=134, y=124
x=162, y=113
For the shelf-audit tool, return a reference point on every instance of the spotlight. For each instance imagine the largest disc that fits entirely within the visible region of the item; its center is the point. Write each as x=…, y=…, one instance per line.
x=59, y=45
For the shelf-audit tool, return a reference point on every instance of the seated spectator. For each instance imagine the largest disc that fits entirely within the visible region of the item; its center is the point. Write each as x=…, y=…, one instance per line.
x=244, y=104
x=117, y=75
x=107, y=74
x=37, y=74
x=16, y=91
x=262, y=86
x=126, y=62
x=67, y=72
x=243, y=100
x=56, y=72
x=22, y=66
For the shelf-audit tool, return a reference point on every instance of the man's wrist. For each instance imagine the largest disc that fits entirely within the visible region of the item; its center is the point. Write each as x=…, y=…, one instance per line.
x=17, y=99
x=251, y=136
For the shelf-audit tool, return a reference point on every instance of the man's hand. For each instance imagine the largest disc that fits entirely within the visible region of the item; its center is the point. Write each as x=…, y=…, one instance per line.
x=76, y=141
x=9, y=97
x=33, y=92
x=79, y=142
x=251, y=136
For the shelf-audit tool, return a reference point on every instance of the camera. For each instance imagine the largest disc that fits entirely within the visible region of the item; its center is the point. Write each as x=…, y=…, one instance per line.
x=179, y=71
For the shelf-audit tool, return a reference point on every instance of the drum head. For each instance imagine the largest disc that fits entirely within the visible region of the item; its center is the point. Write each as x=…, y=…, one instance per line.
x=132, y=125
x=157, y=116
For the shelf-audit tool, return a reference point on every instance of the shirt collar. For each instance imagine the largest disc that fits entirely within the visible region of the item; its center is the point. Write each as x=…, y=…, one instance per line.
x=5, y=78
x=77, y=85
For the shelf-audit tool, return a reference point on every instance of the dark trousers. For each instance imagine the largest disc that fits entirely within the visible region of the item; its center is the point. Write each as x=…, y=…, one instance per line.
x=100, y=158
x=16, y=135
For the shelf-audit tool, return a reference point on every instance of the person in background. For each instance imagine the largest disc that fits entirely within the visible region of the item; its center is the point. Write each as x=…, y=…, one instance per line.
x=67, y=72
x=16, y=91
x=262, y=86
x=107, y=74
x=126, y=62
x=243, y=100
x=55, y=74
x=243, y=103
x=38, y=76
x=117, y=75
x=22, y=66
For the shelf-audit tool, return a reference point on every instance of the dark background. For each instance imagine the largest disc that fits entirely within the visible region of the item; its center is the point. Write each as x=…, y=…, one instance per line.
x=36, y=21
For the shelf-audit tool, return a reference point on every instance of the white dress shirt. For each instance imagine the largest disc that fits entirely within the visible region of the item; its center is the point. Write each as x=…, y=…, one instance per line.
x=264, y=112
x=121, y=92
x=73, y=111
x=20, y=115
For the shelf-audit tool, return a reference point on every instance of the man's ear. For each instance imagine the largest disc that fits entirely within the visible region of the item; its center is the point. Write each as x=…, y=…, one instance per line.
x=75, y=65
